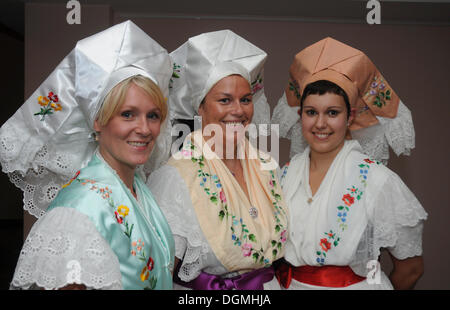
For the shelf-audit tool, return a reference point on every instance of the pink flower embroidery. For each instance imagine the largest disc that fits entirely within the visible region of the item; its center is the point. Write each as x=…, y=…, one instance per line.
x=247, y=249
x=186, y=153
x=222, y=196
x=283, y=236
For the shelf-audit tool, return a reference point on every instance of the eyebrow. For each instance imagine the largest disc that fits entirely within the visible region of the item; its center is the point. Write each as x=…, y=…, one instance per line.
x=230, y=95
x=332, y=107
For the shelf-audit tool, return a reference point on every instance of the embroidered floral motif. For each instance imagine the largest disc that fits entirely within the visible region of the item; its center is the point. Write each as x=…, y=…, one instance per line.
x=72, y=179
x=121, y=213
x=353, y=195
x=175, y=74
x=379, y=92
x=285, y=171
x=293, y=86
x=48, y=105
x=217, y=197
x=139, y=252
x=257, y=84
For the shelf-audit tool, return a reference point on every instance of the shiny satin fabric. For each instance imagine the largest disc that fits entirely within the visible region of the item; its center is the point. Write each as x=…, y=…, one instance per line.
x=57, y=120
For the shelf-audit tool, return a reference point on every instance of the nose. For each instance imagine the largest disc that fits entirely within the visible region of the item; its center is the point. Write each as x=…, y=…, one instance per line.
x=321, y=121
x=237, y=108
x=143, y=126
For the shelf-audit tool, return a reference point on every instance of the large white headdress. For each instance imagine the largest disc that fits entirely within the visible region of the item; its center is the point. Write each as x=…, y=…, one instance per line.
x=206, y=59
x=50, y=137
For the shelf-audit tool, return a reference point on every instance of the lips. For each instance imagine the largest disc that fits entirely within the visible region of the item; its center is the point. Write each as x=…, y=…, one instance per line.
x=321, y=135
x=139, y=145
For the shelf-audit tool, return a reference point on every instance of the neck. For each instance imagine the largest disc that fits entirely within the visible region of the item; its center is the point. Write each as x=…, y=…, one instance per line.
x=125, y=173
x=322, y=161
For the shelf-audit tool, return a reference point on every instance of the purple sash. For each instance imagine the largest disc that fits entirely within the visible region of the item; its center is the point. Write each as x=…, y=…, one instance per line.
x=253, y=280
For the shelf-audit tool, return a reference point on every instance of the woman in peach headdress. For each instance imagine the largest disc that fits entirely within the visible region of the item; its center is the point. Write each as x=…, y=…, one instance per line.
x=344, y=204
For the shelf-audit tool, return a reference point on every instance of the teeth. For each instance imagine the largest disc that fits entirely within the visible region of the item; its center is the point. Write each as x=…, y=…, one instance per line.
x=234, y=123
x=322, y=135
x=137, y=143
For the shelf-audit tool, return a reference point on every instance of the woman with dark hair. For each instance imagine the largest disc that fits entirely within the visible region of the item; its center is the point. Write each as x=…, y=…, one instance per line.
x=345, y=205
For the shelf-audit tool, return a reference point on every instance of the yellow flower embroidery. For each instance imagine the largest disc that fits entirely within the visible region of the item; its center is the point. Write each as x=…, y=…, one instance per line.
x=144, y=274
x=123, y=210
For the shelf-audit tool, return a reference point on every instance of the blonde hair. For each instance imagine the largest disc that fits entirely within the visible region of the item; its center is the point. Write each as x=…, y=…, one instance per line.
x=116, y=97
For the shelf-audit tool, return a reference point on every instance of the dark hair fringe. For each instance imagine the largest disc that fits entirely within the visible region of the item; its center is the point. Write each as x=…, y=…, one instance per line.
x=322, y=87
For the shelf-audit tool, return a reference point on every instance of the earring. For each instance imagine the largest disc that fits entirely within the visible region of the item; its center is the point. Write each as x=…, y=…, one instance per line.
x=95, y=136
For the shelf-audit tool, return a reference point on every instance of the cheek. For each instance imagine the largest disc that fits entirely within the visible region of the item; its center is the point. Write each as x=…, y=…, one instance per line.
x=339, y=124
x=249, y=110
x=155, y=128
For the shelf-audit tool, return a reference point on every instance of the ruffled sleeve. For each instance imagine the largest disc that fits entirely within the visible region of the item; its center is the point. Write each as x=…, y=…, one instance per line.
x=191, y=246
x=64, y=247
x=396, y=217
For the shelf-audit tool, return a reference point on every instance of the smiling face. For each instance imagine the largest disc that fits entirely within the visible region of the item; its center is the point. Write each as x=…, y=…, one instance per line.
x=324, y=122
x=229, y=105
x=127, y=139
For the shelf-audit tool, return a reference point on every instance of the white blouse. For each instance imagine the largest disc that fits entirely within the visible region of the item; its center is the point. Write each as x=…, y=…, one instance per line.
x=388, y=215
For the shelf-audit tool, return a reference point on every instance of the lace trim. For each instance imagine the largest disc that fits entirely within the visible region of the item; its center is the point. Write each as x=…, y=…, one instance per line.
x=64, y=247
x=40, y=170
x=190, y=244
x=396, y=132
x=396, y=223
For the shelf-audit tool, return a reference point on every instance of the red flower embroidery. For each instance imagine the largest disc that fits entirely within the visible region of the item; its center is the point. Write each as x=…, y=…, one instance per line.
x=368, y=161
x=53, y=97
x=150, y=264
x=349, y=200
x=325, y=244
x=118, y=218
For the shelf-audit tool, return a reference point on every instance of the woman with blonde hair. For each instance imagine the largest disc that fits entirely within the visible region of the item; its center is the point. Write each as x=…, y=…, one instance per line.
x=101, y=112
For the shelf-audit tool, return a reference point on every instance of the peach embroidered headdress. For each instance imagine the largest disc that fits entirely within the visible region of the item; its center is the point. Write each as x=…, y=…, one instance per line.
x=375, y=101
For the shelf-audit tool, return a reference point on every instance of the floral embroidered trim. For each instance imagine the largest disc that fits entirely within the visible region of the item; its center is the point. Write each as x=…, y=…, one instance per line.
x=48, y=105
x=332, y=238
x=285, y=171
x=257, y=84
x=139, y=252
x=293, y=86
x=378, y=92
x=175, y=74
x=120, y=213
x=217, y=197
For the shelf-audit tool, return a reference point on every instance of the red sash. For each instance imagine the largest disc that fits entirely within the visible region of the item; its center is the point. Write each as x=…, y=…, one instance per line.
x=329, y=276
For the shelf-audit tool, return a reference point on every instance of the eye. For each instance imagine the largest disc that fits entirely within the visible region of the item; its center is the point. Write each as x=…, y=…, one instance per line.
x=333, y=113
x=224, y=100
x=310, y=112
x=126, y=114
x=247, y=100
x=154, y=116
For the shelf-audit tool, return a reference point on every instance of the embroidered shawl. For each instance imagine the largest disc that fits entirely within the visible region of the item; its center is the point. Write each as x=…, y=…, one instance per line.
x=242, y=239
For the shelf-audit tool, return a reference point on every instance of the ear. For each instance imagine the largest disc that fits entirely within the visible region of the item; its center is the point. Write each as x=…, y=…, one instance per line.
x=97, y=126
x=201, y=108
x=351, y=117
